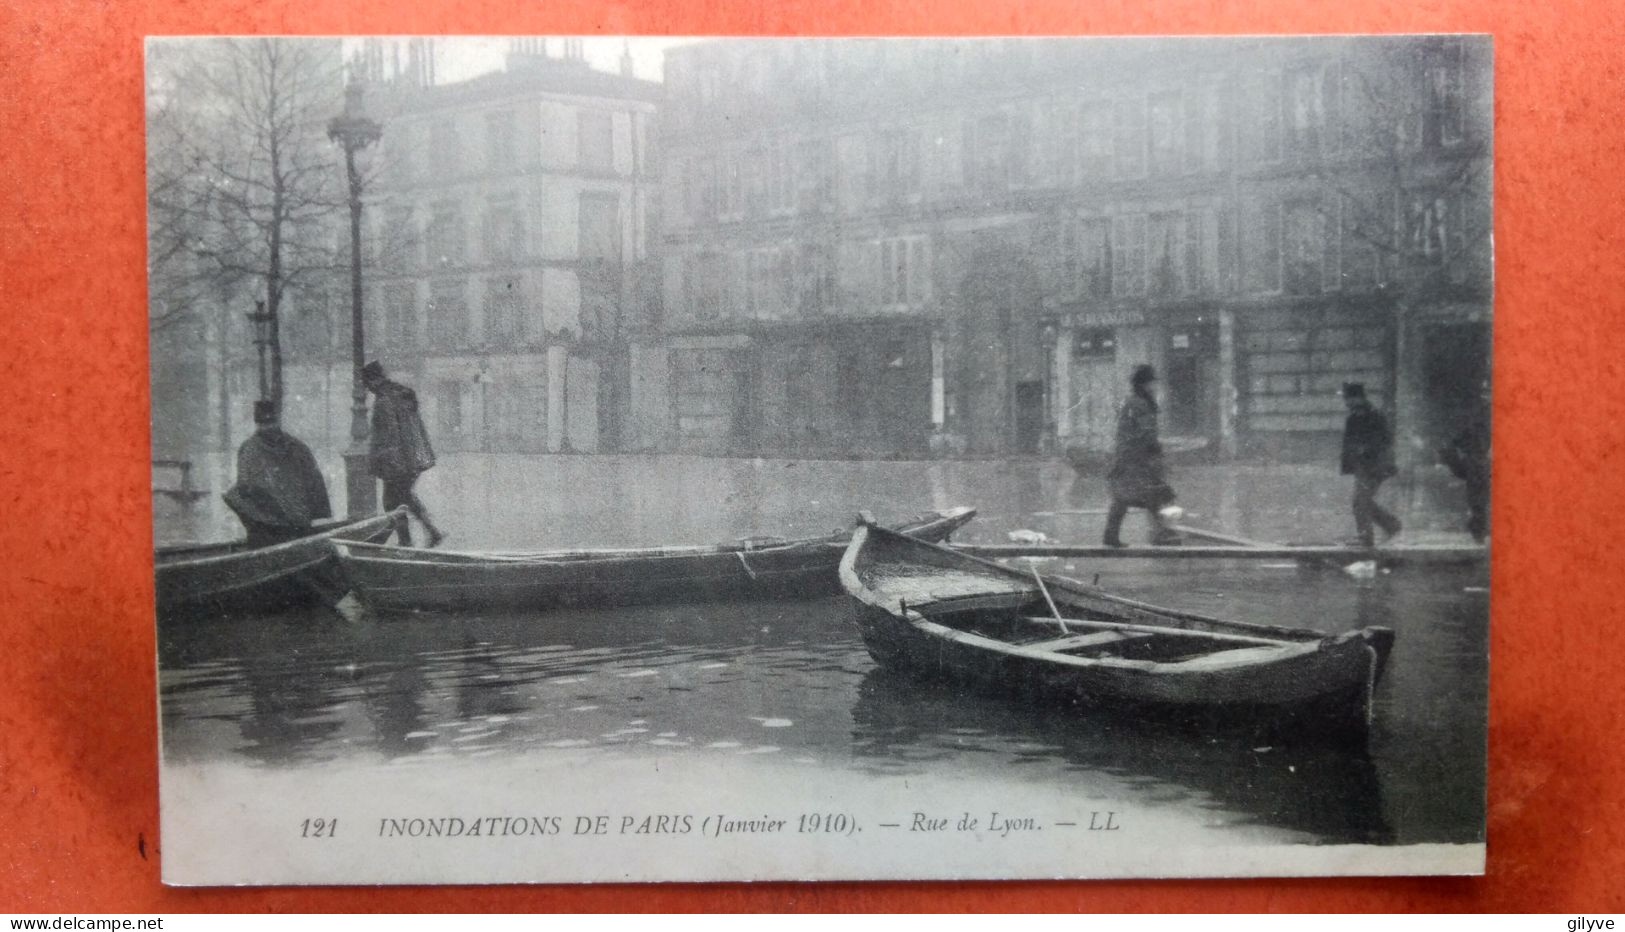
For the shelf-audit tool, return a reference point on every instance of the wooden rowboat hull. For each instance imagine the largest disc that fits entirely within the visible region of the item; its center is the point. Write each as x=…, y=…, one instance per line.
x=912, y=601
x=196, y=581
x=395, y=579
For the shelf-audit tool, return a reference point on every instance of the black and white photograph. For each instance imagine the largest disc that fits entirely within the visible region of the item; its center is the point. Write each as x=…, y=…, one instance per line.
x=605, y=459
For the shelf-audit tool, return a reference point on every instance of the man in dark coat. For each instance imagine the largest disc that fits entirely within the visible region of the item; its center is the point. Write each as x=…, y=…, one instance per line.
x=1368, y=456
x=279, y=490
x=1137, y=477
x=400, y=450
x=1468, y=457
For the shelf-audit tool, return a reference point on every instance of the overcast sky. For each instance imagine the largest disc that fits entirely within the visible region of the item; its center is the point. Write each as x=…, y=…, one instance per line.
x=463, y=57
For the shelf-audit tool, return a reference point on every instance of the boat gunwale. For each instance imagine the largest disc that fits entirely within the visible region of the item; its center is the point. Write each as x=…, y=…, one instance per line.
x=387, y=555
x=373, y=523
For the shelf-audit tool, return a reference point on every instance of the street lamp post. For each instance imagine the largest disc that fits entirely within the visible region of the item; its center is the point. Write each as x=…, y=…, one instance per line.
x=261, y=320
x=354, y=131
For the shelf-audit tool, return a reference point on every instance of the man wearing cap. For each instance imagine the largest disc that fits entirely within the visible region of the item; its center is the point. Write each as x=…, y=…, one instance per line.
x=279, y=490
x=1368, y=456
x=400, y=450
x=1137, y=477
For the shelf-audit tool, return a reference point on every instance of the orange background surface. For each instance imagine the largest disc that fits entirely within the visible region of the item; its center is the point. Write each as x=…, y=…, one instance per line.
x=78, y=732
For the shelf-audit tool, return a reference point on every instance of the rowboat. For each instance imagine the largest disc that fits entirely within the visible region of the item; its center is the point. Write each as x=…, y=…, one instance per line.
x=933, y=610
x=400, y=579
x=224, y=578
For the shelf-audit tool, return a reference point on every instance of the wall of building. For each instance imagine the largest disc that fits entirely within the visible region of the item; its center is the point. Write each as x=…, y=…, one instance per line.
x=1006, y=193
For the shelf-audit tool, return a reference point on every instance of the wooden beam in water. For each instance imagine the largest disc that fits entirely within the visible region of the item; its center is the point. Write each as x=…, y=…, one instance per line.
x=1410, y=553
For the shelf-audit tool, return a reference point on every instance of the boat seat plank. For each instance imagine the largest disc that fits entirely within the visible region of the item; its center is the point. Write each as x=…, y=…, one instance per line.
x=1093, y=639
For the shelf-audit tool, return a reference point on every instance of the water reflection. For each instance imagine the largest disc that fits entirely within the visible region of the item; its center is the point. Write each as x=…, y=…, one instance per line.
x=791, y=681
x=901, y=725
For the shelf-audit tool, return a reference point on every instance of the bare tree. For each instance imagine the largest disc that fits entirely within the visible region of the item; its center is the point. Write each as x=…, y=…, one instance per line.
x=1421, y=207
x=243, y=185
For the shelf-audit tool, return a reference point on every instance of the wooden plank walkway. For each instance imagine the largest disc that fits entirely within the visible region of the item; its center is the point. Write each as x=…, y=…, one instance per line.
x=1435, y=554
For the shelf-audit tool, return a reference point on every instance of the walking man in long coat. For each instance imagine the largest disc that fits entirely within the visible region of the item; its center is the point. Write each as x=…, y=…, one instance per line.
x=279, y=491
x=1138, y=476
x=1468, y=457
x=400, y=450
x=1368, y=456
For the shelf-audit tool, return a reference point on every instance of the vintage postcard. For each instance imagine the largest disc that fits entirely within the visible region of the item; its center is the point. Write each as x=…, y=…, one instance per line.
x=682, y=459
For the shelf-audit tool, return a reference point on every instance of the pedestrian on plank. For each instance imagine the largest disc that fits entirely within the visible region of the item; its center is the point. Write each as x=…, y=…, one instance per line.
x=1138, y=476
x=1468, y=457
x=1368, y=456
x=400, y=450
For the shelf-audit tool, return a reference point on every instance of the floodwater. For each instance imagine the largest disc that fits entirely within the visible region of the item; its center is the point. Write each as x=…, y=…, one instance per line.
x=752, y=688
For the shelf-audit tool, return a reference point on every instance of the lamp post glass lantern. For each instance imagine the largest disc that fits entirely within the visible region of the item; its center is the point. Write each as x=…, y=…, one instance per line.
x=354, y=131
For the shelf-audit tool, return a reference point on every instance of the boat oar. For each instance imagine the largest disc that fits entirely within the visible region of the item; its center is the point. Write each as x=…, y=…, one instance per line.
x=1053, y=610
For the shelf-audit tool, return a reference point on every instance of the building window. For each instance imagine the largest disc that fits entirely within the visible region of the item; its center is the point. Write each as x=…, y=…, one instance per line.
x=1429, y=232
x=504, y=233
x=1368, y=235
x=1096, y=141
x=504, y=304
x=815, y=279
x=1305, y=95
x=1128, y=255
x=1261, y=225
x=1265, y=100
x=709, y=289
x=988, y=149
x=400, y=154
x=445, y=152
x=595, y=140
x=1166, y=254
x=1091, y=256
x=448, y=314
x=1206, y=126
x=705, y=188
x=770, y=280
x=401, y=315
x=600, y=227
x=1202, y=250
x=399, y=240
x=499, y=139
x=781, y=179
x=1130, y=136
x=447, y=242
x=898, y=171
x=852, y=153
x=599, y=302
x=1167, y=133
x=1303, y=264
x=905, y=271
x=1441, y=121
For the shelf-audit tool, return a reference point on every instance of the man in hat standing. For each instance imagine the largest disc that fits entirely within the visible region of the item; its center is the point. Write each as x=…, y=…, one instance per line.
x=1137, y=477
x=400, y=450
x=1368, y=456
x=280, y=491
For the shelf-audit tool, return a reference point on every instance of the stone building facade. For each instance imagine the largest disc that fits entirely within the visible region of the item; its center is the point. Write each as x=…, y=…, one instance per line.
x=908, y=247
x=509, y=245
